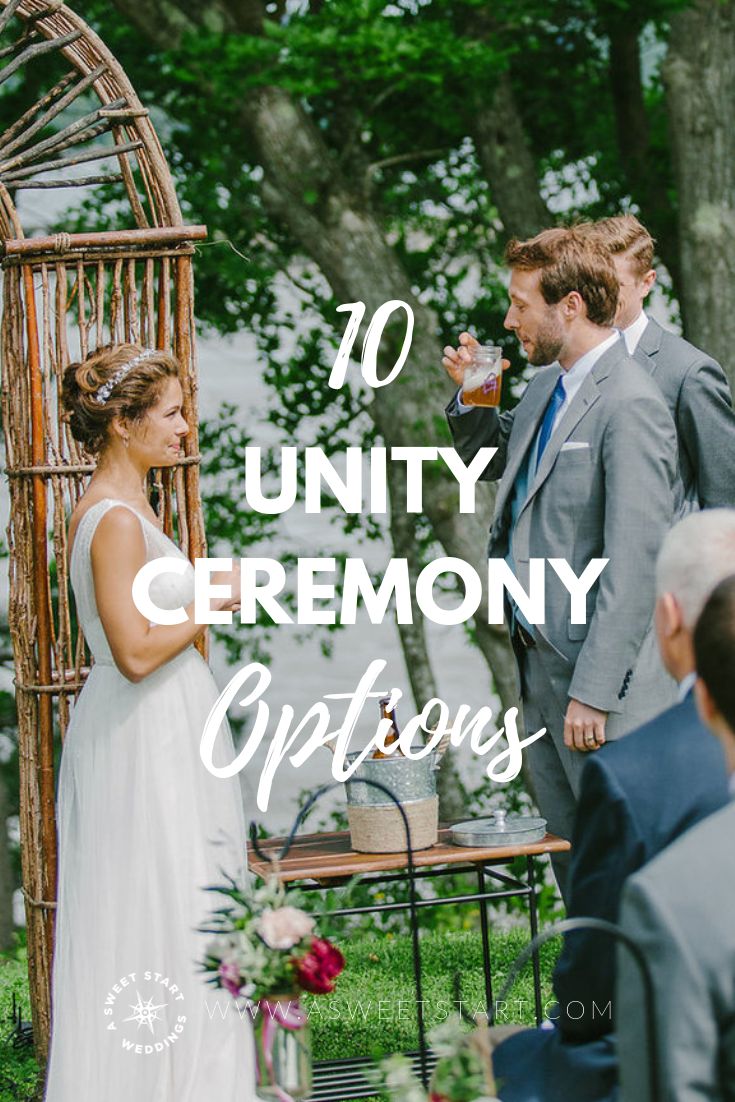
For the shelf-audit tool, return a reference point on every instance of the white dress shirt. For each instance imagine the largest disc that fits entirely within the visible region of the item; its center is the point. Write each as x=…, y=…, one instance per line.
x=634, y=332
x=686, y=685
x=571, y=379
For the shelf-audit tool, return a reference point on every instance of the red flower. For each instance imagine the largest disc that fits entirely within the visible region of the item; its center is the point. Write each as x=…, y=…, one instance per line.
x=318, y=968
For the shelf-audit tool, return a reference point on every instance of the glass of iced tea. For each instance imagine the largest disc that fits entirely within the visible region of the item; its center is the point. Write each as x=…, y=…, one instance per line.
x=483, y=376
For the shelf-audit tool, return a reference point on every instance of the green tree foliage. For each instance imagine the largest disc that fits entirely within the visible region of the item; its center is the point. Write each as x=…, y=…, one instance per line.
x=442, y=126
x=395, y=91
x=415, y=137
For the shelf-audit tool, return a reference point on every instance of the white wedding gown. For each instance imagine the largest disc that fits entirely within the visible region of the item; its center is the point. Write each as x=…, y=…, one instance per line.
x=143, y=828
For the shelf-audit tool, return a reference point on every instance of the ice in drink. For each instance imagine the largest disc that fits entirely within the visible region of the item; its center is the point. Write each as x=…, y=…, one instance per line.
x=483, y=377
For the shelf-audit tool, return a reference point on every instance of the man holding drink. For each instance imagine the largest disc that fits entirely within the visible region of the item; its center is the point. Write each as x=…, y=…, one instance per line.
x=586, y=464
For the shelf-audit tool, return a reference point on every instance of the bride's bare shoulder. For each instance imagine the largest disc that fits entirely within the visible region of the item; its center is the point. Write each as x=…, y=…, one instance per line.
x=118, y=518
x=85, y=503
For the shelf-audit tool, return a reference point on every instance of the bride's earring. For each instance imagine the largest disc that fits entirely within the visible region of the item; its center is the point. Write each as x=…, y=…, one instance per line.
x=126, y=440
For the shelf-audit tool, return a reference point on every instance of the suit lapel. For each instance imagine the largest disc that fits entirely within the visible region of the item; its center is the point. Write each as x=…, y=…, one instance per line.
x=583, y=401
x=646, y=352
x=525, y=432
x=585, y=397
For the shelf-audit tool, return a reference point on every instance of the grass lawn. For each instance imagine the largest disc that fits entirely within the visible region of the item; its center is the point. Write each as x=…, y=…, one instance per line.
x=373, y=1008
x=18, y=1069
x=371, y=1012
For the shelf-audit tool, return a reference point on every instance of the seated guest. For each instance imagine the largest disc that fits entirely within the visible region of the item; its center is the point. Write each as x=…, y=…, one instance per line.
x=680, y=910
x=637, y=796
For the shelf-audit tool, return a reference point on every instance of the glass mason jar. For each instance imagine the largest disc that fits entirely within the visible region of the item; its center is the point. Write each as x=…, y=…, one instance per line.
x=483, y=376
x=282, y=1049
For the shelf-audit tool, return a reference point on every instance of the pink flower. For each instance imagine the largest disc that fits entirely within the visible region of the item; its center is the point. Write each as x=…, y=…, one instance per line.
x=317, y=970
x=230, y=978
x=285, y=927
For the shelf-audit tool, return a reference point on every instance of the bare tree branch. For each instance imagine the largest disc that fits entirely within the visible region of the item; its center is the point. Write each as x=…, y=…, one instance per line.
x=400, y=159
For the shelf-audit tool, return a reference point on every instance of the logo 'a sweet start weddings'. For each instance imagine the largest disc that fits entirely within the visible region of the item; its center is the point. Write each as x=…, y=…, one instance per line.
x=144, y=1012
x=363, y=488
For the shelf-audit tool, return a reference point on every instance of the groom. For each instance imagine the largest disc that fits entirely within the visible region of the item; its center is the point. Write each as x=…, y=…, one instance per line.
x=586, y=464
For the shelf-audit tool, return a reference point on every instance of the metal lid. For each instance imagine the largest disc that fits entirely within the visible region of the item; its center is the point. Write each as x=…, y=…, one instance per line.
x=499, y=829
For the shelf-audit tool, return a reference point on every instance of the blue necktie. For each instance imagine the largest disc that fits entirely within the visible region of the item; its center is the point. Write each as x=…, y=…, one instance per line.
x=555, y=403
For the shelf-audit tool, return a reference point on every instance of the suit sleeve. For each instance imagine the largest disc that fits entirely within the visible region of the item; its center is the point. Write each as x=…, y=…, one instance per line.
x=686, y=1024
x=708, y=433
x=606, y=849
x=482, y=427
x=639, y=461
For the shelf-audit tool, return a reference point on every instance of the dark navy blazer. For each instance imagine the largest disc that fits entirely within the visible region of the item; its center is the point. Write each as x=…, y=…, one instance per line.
x=638, y=794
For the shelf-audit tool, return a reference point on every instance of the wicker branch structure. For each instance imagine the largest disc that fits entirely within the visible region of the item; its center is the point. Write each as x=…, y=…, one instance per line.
x=63, y=295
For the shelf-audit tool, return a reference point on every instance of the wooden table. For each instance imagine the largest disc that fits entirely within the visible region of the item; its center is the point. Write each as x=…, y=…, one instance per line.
x=320, y=861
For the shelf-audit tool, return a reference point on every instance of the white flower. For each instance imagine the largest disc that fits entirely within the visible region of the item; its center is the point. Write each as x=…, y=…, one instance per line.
x=285, y=927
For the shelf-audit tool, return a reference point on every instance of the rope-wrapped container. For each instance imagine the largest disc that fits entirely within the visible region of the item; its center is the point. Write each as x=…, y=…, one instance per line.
x=376, y=824
x=380, y=829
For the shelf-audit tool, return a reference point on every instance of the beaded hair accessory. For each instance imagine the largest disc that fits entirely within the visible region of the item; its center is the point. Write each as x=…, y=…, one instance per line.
x=103, y=394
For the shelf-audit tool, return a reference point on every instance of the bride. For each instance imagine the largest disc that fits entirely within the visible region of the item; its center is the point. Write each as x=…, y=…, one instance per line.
x=143, y=826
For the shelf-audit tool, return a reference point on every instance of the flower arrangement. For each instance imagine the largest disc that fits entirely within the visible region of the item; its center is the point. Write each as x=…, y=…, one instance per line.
x=266, y=944
x=463, y=1071
x=266, y=949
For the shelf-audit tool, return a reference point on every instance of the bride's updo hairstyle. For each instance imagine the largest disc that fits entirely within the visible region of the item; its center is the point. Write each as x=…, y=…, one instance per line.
x=116, y=380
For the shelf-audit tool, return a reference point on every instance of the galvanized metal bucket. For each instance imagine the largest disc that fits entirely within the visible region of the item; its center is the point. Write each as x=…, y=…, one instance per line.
x=406, y=778
x=376, y=824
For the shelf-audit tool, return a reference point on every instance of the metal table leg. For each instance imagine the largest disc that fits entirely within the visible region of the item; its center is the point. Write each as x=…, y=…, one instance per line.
x=344, y=1079
x=533, y=919
x=485, y=934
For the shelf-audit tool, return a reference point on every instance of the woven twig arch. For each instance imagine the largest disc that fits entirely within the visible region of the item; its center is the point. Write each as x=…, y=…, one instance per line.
x=63, y=295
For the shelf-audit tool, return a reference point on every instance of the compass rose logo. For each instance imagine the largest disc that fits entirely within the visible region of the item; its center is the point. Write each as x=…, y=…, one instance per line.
x=157, y=1019
x=145, y=1013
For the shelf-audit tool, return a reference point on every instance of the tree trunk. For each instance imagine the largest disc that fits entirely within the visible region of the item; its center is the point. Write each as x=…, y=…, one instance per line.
x=452, y=793
x=646, y=178
x=507, y=163
x=346, y=241
x=700, y=82
x=335, y=226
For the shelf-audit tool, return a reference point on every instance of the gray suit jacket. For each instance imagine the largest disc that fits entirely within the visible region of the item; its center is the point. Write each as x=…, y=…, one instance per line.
x=681, y=910
x=698, y=396
x=609, y=495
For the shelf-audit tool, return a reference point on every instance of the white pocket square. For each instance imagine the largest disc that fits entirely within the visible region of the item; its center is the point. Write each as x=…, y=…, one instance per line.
x=573, y=445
